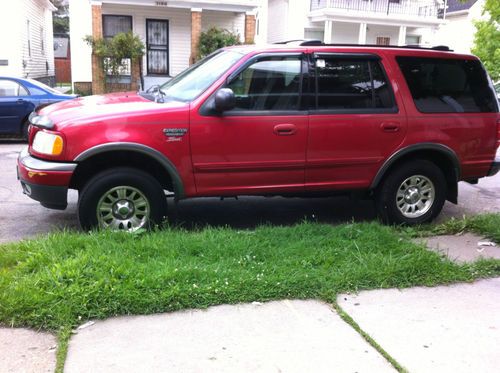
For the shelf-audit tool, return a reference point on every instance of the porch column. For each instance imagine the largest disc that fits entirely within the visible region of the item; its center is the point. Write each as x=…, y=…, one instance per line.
x=97, y=72
x=327, y=36
x=249, y=28
x=402, y=35
x=362, y=33
x=195, y=33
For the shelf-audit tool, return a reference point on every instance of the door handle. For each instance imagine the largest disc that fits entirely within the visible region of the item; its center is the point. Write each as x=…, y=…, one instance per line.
x=20, y=100
x=285, y=129
x=390, y=126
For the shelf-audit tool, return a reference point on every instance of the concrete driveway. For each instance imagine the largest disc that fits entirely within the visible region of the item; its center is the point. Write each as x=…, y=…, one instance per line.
x=21, y=217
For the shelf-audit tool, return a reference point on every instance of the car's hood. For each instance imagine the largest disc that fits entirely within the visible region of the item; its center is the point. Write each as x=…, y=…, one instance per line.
x=99, y=108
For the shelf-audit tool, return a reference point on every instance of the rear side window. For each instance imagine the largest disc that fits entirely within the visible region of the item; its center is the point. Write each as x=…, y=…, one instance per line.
x=351, y=85
x=448, y=85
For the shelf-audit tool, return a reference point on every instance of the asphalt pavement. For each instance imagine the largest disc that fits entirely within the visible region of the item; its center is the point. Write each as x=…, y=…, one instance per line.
x=21, y=217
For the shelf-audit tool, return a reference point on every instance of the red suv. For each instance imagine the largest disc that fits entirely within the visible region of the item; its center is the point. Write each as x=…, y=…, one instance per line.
x=403, y=125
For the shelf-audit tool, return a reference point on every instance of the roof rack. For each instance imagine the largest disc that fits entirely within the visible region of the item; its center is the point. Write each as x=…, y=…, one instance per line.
x=304, y=43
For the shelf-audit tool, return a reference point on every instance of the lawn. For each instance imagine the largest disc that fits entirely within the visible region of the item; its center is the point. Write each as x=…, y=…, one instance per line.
x=59, y=281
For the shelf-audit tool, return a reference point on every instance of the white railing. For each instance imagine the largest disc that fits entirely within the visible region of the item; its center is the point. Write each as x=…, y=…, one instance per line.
x=418, y=8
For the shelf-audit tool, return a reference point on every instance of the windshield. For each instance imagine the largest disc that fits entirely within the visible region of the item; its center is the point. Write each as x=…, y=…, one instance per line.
x=192, y=82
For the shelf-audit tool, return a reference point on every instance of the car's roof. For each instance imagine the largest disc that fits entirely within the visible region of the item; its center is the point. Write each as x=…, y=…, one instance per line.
x=438, y=52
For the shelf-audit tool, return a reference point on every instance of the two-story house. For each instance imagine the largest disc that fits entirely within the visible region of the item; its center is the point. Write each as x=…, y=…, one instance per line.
x=27, y=48
x=383, y=22
x=170, y=30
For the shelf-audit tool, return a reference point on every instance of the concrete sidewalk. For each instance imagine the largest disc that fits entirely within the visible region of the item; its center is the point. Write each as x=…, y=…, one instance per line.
x=284, y=336
x=441, y=329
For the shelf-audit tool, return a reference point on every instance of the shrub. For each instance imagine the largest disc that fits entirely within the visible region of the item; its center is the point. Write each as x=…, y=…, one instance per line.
x=215, y=38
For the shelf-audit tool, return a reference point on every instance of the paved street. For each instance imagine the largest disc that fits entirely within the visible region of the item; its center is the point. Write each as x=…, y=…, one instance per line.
x=21, y=217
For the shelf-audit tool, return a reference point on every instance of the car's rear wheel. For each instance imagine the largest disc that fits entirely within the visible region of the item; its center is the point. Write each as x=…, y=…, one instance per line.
x=121, y=199
x=413, y=193
x=25, y=130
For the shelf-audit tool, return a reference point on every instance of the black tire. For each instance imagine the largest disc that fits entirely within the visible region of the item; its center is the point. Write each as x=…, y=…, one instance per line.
x=25, y=131
x=386, y=195
x=99, y=186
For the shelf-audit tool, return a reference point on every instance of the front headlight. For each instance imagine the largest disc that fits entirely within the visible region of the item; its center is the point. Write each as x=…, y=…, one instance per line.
x=41, y=120
x=47, y=143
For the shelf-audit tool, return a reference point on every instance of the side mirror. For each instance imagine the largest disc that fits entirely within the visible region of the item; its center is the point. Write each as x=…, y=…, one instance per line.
x=224, y=100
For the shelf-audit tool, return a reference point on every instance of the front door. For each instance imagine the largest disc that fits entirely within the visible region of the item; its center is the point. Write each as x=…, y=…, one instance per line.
x=157, y=47
x=259, y=146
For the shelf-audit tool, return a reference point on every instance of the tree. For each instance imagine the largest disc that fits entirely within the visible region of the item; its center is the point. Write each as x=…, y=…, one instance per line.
x=60, y=18
x=487, y=39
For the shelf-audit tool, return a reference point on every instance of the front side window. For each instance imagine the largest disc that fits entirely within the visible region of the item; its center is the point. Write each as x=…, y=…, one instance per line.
x=440, y=85
x=9, y=88
x=269, y=84
x=350, y=84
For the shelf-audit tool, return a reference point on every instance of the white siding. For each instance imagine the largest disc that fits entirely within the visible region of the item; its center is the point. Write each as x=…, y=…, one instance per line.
x=346, y=33
x=14, y=46
x=41, y=62
x=10, y=24
x=277, y=25
x=234, y=22
x=375, y=31
x=80, y=17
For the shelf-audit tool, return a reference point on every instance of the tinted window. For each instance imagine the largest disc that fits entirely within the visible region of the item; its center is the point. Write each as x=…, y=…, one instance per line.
x=271, y=84
x=11, y=88
x=350, y=84
x=447, y=85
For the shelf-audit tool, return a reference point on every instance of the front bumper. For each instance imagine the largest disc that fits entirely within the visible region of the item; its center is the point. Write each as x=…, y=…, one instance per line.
x=44, y=181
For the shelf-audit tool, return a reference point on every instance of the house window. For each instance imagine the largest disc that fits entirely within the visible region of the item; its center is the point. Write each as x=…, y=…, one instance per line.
x=28, y=32
x=113, y=25
x=412, y=40
x=383, y=40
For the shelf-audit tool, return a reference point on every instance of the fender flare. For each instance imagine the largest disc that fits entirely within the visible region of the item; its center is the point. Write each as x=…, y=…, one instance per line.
x=443, y=149
x=143, y=149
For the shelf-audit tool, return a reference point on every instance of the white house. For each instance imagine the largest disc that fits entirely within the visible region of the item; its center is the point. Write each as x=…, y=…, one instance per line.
x=383, y=22
x=27, y=48
x=458, y=28
x=170, y=30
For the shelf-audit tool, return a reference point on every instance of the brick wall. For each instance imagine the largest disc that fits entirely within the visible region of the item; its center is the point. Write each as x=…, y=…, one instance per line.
x=249, y=28
x=195, y=35
x=97, y=71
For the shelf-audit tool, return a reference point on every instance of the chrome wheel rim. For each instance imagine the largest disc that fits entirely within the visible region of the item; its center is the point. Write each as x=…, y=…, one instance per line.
x=123, y=208
x=415, y=196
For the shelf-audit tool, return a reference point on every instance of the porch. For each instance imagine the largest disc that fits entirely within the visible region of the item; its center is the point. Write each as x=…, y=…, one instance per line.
x=382, y=22
x=170, y=31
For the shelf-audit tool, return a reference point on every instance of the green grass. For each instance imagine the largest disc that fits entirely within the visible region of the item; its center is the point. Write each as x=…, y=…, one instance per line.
x=59, y=281
x=487, y=225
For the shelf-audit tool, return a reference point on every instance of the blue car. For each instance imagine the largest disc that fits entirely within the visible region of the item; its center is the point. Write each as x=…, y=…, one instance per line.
x=18, y=99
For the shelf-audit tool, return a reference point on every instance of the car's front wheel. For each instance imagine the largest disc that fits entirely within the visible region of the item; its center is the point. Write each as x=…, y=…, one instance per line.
x=121, y=199
x=413, y=193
